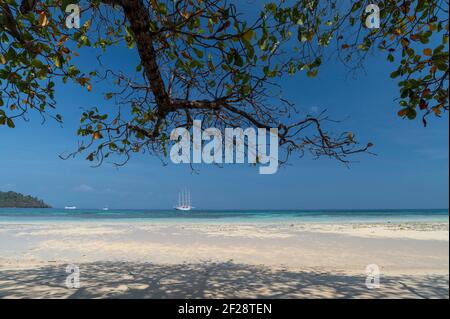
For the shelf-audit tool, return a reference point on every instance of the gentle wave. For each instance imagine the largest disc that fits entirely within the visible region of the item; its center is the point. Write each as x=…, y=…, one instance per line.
x=17, y=214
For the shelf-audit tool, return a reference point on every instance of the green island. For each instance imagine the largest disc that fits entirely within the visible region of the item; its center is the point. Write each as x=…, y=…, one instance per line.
x=16, y=200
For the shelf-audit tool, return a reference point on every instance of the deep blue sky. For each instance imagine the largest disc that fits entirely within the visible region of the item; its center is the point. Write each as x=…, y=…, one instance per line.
x=410, y=170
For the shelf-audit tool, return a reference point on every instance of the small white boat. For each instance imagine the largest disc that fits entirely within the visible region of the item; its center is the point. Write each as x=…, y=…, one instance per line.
x=105, y=208
x=184, y=201
x=70, y=207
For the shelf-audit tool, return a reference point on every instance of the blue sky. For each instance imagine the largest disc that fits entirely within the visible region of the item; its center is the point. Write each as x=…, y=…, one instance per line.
x=409, y=171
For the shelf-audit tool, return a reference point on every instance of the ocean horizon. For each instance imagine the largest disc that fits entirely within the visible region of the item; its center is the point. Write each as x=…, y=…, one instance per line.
x=300, y=215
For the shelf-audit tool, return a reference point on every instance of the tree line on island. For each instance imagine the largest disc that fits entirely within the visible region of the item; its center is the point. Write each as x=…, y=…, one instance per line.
x=17, y=200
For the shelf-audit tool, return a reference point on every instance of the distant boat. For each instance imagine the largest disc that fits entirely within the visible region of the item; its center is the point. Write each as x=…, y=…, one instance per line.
x=184, y=201
x=105, y=208
x=70, y=207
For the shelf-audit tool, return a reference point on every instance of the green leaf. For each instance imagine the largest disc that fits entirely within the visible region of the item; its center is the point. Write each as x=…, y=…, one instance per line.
x=10, y=123
x=57, y=61
x=198, y=53
x=395, y=74
x=238, y=60
x=356, y=6
x=162, y=8
x=412, y=114
x=248, y=35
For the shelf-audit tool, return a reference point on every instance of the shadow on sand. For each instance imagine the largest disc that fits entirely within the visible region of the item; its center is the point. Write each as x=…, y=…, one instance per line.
x=208, y=280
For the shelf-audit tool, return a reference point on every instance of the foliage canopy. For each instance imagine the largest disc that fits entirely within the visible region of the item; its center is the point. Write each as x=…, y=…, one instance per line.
x=205, y=59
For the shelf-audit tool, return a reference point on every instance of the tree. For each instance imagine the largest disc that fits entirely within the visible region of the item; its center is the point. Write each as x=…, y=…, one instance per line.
x=204, y=59
x=16, y=200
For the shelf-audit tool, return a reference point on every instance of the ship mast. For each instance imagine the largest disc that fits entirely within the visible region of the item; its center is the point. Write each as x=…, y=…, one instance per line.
x=189, y=199
x=183, y=198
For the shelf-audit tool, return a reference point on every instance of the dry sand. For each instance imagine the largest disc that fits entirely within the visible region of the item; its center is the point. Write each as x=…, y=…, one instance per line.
x=194, y=260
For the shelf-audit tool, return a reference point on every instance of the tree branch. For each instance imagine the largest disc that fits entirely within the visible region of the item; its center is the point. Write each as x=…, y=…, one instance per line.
x=138, y=17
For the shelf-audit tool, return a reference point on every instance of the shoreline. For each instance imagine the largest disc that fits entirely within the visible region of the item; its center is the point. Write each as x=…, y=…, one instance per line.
x=223, y=220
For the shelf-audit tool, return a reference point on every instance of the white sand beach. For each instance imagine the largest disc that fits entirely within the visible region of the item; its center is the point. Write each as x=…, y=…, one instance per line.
x=215, y=260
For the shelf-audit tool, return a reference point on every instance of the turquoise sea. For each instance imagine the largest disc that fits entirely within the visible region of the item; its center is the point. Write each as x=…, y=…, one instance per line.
x=85, y=215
